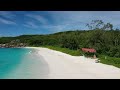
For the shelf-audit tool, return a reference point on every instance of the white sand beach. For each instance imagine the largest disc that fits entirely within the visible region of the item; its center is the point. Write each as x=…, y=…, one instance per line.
x=64, y=66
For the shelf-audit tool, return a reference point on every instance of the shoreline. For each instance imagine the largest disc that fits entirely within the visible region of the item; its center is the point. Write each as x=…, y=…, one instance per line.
x=64, y=66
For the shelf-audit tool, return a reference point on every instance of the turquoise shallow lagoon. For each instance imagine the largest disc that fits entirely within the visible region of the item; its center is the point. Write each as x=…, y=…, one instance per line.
x=22, y=63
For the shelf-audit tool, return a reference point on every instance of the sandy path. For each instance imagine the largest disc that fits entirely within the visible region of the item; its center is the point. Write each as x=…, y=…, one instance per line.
x=64, y=66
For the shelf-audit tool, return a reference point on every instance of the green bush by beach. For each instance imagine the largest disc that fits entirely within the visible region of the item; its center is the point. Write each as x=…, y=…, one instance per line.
x=65, y=50
x=110, y=60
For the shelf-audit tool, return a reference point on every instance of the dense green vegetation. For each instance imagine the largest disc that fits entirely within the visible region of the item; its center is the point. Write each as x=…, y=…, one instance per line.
x=65, y=50
x=101, y=37
x=110, y=60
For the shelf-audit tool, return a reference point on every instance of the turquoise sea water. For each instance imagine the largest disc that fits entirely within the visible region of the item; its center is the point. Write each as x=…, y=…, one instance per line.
x=22, y=63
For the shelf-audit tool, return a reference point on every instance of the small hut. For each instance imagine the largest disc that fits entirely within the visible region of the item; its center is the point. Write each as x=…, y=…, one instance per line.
x=89, y=50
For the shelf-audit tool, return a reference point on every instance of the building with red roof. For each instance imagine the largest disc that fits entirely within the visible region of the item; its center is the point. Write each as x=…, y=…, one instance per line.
x=91, y=50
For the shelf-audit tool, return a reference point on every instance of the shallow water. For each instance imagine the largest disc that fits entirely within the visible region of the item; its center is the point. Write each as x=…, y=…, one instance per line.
x=22, y=63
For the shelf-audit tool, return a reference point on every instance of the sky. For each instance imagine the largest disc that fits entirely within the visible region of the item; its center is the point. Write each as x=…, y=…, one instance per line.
x=15, y=23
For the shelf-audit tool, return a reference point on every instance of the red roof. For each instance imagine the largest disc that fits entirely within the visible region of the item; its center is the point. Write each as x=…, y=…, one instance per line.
x=88, y=50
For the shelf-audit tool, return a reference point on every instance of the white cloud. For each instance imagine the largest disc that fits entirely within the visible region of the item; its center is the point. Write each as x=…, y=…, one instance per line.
x=38, y=18
x=4, y=21
x=82, y=16
x=7, y=14
x=72, y=20
x=31, y=25
x=63, y=27
x=69, y=17
x=54, y=28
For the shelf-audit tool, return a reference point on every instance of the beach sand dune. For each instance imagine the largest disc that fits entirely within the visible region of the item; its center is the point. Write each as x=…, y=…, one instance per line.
x=64, y=66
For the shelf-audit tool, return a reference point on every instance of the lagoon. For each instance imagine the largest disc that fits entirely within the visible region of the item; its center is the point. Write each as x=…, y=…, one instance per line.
x=21, y=63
